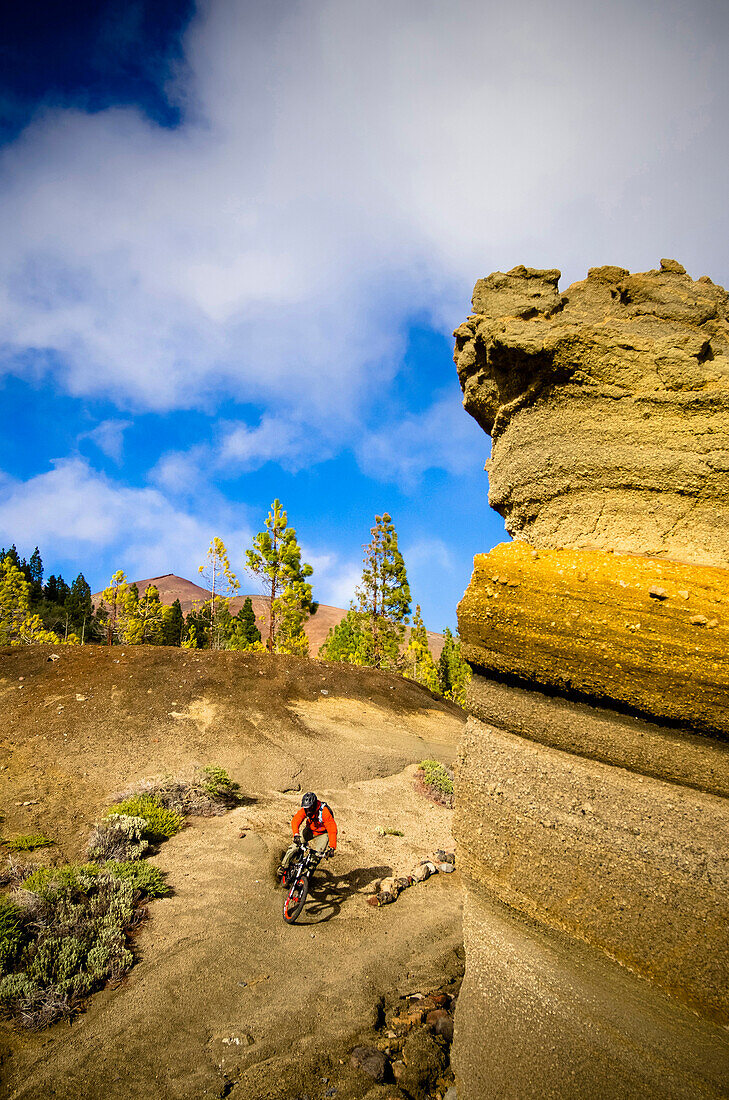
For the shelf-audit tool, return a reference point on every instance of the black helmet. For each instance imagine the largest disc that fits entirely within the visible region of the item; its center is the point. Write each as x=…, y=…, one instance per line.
x=308, y=802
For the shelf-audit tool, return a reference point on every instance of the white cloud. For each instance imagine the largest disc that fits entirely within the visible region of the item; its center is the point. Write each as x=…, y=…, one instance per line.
x=343, y=168
x=108, y=436
x=441, y=437
x=287, y=441
x=74, y=512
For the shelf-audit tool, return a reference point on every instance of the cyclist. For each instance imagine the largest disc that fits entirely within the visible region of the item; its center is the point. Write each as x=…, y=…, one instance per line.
x=314, y=825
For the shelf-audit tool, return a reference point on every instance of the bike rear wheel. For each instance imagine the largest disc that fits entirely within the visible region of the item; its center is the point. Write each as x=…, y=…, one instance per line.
x=294, y=900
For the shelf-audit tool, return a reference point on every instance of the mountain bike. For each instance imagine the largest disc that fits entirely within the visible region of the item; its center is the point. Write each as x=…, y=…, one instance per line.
x=297, y=877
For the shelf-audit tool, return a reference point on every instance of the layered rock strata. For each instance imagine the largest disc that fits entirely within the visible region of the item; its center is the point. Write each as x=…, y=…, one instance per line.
x=593, y=780
x=608, y=406
x=641, y=633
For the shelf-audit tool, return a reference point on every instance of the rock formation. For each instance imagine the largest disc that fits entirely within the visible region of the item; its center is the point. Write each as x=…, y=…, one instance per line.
x=592, y=800
x=608, y=407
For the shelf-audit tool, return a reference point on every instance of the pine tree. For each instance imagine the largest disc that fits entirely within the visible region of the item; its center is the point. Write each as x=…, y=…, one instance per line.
x=79, y=606
x=276, y=562
x=347, y=641
x=143, y=617
x=50, y=590
x=245, y=635
x=222, y=583
x=173, y=624
x=384, y=593
x=35, y=570
x=115, y=600
x=17, y=625
x=190, y=639
x=454, y=673
x=419, y=664
x=197, y=622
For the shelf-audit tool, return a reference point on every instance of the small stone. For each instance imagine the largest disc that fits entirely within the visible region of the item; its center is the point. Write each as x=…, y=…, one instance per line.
x=54, y=657
x=658, y=593
x=712, y=623
x=437, y=1014
x=80, y=698
x=323, y=692
x=398, y=1068
x=683, y=593
x=444, y=1028
x=446, y=868
x=371, y=1061
x=698, y=620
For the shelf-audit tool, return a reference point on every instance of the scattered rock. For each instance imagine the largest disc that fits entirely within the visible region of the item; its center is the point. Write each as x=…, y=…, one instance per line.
x=657, y=593
x=371, y=1061
x=698, y=620
x=424, y=1060
x=444, y=1028
x=437, y=1014
x=53, y=657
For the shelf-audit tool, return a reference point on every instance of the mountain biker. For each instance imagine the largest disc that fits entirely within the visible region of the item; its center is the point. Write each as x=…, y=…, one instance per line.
x=314, y=825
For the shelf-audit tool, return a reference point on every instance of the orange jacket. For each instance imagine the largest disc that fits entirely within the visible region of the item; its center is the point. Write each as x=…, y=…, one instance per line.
x=321, y=821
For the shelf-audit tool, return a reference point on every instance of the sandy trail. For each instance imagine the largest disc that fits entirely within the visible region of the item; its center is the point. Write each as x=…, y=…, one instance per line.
x=226, y=999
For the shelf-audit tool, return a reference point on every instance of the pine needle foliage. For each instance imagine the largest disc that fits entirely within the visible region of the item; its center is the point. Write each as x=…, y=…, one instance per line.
x=383, y=595
x=419, y=664
x=275, y=561
x=454, y=674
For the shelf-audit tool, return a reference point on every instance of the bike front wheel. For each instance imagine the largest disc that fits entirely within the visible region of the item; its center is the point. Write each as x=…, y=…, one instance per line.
x=294, y=900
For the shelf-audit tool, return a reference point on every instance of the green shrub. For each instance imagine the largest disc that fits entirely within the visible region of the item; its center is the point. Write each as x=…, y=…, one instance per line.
x=10, y=933
x=69, y=881
x=437, y=781
x=27, y=843
x=161, y=821
x=216, y=782
x=118, y=836
x=145, y=879
x=15, y=988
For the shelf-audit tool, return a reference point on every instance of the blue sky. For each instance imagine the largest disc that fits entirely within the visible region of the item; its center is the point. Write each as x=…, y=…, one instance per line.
x=237, y=237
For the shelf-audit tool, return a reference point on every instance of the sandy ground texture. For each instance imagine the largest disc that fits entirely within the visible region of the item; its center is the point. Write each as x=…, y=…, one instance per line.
x=226, y=999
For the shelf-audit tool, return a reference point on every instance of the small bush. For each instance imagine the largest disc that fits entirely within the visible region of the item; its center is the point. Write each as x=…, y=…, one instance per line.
x=27, y=843
x=68, y=935
x=10, y=933
x=119, y=837
x=146, y=880
x=69, y=881
x=161, y=822
x=202, y=792
x=437, y=781
x=218, y=784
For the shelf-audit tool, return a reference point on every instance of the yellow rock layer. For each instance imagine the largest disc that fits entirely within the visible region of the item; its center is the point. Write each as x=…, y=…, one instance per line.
x=648, y=634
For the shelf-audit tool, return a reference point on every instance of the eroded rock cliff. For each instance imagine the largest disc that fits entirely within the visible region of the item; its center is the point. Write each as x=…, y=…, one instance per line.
x=592, y=808
x=608, y=406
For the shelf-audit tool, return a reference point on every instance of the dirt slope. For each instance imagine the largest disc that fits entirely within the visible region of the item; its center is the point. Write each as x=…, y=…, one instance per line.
x=217, y=962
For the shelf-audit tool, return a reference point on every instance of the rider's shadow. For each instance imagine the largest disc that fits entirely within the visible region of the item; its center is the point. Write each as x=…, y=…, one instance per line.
x=327, y=892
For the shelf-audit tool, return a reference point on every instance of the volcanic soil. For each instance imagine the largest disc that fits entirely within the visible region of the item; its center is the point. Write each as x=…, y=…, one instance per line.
x=226, y=999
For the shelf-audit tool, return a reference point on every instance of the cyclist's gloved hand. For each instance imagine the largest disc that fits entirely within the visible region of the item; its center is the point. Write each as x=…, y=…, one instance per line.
x=298, y=841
